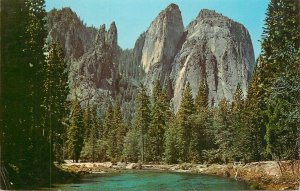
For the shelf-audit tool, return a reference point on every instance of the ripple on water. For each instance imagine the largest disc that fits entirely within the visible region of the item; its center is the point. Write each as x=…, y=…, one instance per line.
x=154, y=180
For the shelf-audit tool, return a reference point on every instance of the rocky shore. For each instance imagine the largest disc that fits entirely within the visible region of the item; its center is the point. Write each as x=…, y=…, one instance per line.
x=260, y=175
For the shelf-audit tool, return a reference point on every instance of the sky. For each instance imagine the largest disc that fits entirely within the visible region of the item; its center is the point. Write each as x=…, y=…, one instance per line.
x=133, y=17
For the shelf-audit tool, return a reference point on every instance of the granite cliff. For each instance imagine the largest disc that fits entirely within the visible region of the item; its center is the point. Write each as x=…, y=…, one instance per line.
x=215, y=49
x=212, y=48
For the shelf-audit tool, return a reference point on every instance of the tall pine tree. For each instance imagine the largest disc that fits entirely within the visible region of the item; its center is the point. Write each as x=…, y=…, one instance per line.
x=76, y=133
x=142, y=120
x=158, y=123
x=22, y=74
x=55, y=101
x=280, y=53
x=183, y=118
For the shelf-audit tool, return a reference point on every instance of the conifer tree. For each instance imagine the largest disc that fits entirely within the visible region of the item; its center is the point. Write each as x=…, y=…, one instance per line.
x=171, y=152
x=22, y=76
x=76, y=133
x=91, y=125
x=15, y=94
x=238, y=124
x=187, y=108
x=280, y=50
x=158, y=123
x=201, y=100
x=107, y=125
x=131, y=151
x=121, y=129
x=142, y=120
x=223, y=131
x=55, y=103
x=200, y=124
x=117, y=133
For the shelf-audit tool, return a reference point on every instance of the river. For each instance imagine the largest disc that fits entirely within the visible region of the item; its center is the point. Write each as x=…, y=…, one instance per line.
x=153, y=180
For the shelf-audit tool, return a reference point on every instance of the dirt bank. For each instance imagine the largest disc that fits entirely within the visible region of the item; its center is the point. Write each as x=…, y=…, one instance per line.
x=261, y=175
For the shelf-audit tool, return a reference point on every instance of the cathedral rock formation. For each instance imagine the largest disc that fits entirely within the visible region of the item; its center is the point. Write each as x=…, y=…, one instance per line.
x=212, y=48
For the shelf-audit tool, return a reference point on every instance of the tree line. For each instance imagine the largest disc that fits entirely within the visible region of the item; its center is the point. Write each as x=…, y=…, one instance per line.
x=262, y=125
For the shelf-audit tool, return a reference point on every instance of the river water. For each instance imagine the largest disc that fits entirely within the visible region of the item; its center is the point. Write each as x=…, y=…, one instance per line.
x=153, y=180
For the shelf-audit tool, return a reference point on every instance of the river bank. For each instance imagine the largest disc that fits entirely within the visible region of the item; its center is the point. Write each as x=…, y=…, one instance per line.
x=261, y=175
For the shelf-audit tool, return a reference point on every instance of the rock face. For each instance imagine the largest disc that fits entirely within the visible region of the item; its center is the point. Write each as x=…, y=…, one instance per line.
x=212, y=48
x=65, y=26
x=101, y=62
x=215, y=49
x=158, y=45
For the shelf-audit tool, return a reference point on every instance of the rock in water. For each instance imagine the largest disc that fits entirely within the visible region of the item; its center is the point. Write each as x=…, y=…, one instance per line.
x=215, y=49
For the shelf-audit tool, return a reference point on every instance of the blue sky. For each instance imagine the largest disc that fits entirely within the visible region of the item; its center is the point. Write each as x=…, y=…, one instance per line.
x=135, y=16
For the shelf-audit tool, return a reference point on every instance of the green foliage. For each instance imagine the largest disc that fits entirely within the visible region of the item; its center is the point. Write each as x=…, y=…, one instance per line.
x=158, y=123
x=75, y=133
x=201, y=100
x=56, y=107
x=184, y=123
x=142, y=120
x=172, y=144
x=255, y=118
x=107, y=125
x=116, y=134
x=222, y=129
x=202, y=139
x=22, y=74
x=262, y=126
x=132, y=146
x=280, y=56
x=92, y=125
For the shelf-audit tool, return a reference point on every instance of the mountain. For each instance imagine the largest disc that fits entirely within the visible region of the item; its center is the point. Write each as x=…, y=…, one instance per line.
x=215, y=49
x=161, y=45
x=212, y=48
x=100, y=63
x=65, y=27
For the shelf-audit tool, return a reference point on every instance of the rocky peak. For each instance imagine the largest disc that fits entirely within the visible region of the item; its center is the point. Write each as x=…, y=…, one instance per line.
x=100, y=63
x=66, y=27
x=206, y=13
x=171, y=10
x=160, y=45
x=217, y=49
x=112, y=35
x=100, y=38
x=172, y=6
x=165, y=31
x=212, y=48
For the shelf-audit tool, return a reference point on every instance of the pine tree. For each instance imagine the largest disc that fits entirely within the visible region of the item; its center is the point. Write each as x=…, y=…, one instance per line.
x=186, y=110
x=142, y=120
x=91, y=128
x=171, y=153
x=107, y=125
x=223, y=131
x=280, y=50
x=131, y=151
x=200, y=124
x=238, y=124
x=76, y=133
x=254, y=143
x=121, y=129
x=158, y=123
x=22, y=75
x=55, y=103
x=201, y=100
x=117, y=133
x=14, y=89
